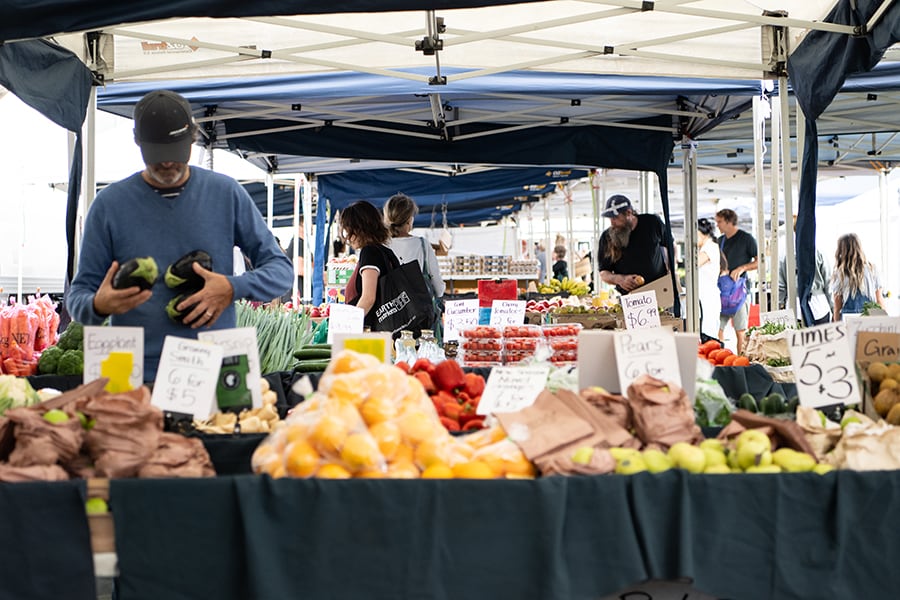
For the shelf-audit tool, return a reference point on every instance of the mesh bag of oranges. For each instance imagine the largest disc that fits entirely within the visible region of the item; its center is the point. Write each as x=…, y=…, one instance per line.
x=366, y=419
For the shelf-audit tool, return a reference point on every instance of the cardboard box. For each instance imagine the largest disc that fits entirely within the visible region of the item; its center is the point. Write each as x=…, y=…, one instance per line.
x=677, y=324
x=587, y=320
x=874, y=346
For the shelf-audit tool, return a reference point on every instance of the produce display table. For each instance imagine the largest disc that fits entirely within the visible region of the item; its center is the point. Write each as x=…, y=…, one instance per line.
x=45, y=543
x=739, y=536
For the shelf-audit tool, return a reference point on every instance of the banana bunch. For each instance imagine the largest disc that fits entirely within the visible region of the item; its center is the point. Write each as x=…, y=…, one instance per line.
x=575, y=286
x=252, y=420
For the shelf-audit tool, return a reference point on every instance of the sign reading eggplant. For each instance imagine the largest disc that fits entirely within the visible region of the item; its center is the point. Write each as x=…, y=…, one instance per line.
x=646, y=352
x=640, y=310
x=823, y=365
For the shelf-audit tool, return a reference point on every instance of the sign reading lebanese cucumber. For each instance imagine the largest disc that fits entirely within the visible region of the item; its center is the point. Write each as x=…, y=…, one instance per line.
x=823, y=365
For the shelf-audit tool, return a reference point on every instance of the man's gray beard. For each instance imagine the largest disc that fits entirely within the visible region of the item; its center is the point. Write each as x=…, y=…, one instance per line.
x=619, y=237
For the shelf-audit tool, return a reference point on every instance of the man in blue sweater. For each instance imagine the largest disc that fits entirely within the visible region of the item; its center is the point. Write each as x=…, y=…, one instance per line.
x=166, y=211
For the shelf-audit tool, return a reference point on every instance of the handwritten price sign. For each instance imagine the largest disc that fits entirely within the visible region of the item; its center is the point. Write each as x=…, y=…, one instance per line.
x=823, y=365
x=510, y=389
x=640, y=310
x=646, y=351
x=779, y=317
x=186, y=377
x=507, y=312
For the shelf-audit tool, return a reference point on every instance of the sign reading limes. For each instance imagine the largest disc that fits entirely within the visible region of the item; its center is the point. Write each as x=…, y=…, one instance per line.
x=823, y=365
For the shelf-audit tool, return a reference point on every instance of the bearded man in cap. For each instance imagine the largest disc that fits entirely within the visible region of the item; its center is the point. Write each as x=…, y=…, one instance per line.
x=632, y=251
x=166, y=211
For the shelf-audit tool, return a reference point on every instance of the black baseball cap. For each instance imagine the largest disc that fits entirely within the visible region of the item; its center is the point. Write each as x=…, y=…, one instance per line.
x=616, y=205
x=164, y=127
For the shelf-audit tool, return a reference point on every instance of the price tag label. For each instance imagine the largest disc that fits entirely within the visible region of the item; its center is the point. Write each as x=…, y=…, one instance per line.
x=459, y=315
x=639, y=310
x=877, y=346
x=823, y=365
x=100, y=342
x=779, y=317
x=237, y=342
x=186, y=377
x=507, y=312
x=646, y=351
x=344, y=318
x=510, y=389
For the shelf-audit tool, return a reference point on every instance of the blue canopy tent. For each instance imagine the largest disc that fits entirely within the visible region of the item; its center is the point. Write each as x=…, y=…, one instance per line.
x=57, y=84
x=819, y=68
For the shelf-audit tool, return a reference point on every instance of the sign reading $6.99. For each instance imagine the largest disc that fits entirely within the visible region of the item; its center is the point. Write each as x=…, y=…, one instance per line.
x=823, y=365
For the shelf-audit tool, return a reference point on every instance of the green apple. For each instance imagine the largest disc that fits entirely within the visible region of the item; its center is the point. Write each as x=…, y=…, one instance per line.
x=583, y=455
x=86, y=423
x=714, y=457
x=56, y=416
x=754, y=453
x=847, y=419
x=763, y=469
x=713, y=443
x=717, y=469
x=631, y=465
x=756, y=435
x=793, y=461
x=622, y=453
x=96, y=506
x=656, y=460
x=822, y=468
x=688, y=457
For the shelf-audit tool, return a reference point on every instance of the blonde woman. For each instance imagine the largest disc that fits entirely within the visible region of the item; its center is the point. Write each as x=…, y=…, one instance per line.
x=399, y=212
x=854, y=280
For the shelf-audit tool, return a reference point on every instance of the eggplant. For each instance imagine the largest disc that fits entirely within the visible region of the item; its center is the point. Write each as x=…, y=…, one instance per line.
x=180, y=274
x=141, y=272
x=178, y=315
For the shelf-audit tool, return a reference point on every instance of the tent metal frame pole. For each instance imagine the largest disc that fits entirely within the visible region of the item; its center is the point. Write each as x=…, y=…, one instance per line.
x=759, y=142
x=308, y=272
x=548, y=248
x=884, y=207
x=570, y=231
x=691, y=279
x=788, y=179
x=595, y=239
x=89, y=173
x=773, y=254
x=295, y=227
x=270, y=199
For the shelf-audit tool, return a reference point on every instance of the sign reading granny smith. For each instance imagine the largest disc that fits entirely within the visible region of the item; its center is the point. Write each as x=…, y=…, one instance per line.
x=823, y=365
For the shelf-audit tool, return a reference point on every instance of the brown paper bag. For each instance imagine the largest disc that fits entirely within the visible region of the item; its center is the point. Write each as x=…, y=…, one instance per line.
x=615, y=406
x=663, y=414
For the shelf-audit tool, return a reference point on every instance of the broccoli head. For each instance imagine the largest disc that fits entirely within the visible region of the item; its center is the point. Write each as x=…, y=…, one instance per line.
x=72, y=338
x=71, y=363
x=49, y=360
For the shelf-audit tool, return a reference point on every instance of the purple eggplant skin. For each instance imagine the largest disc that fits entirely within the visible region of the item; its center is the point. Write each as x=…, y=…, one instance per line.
x=141, y=272
x=180, y=274
x=175, y=314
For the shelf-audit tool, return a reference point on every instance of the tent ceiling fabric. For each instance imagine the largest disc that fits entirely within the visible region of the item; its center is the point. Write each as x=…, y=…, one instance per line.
x=693, y=38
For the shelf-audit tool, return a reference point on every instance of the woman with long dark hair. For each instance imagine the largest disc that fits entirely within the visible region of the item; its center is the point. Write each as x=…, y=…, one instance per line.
x=363, y=228
x=854, y=280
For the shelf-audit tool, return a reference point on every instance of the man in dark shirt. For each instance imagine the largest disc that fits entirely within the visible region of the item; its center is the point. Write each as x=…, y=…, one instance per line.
x=632, y=251
x=740, y=251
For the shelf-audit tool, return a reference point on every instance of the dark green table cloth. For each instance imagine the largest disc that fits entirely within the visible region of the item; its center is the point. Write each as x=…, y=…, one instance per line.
x=45, y=542
x=739, y=536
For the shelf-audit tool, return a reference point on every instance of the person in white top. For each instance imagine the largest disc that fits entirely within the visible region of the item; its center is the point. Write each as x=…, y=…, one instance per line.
x=399, y=212
x=708, y=276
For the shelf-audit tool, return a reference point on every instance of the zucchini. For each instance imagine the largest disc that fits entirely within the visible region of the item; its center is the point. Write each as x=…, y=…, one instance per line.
x=317, y=346
x=310, y=366
x=748, y=402
x=307, y=353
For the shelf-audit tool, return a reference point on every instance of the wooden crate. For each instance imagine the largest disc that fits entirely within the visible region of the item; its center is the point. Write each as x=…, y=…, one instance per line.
x=103, y=536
